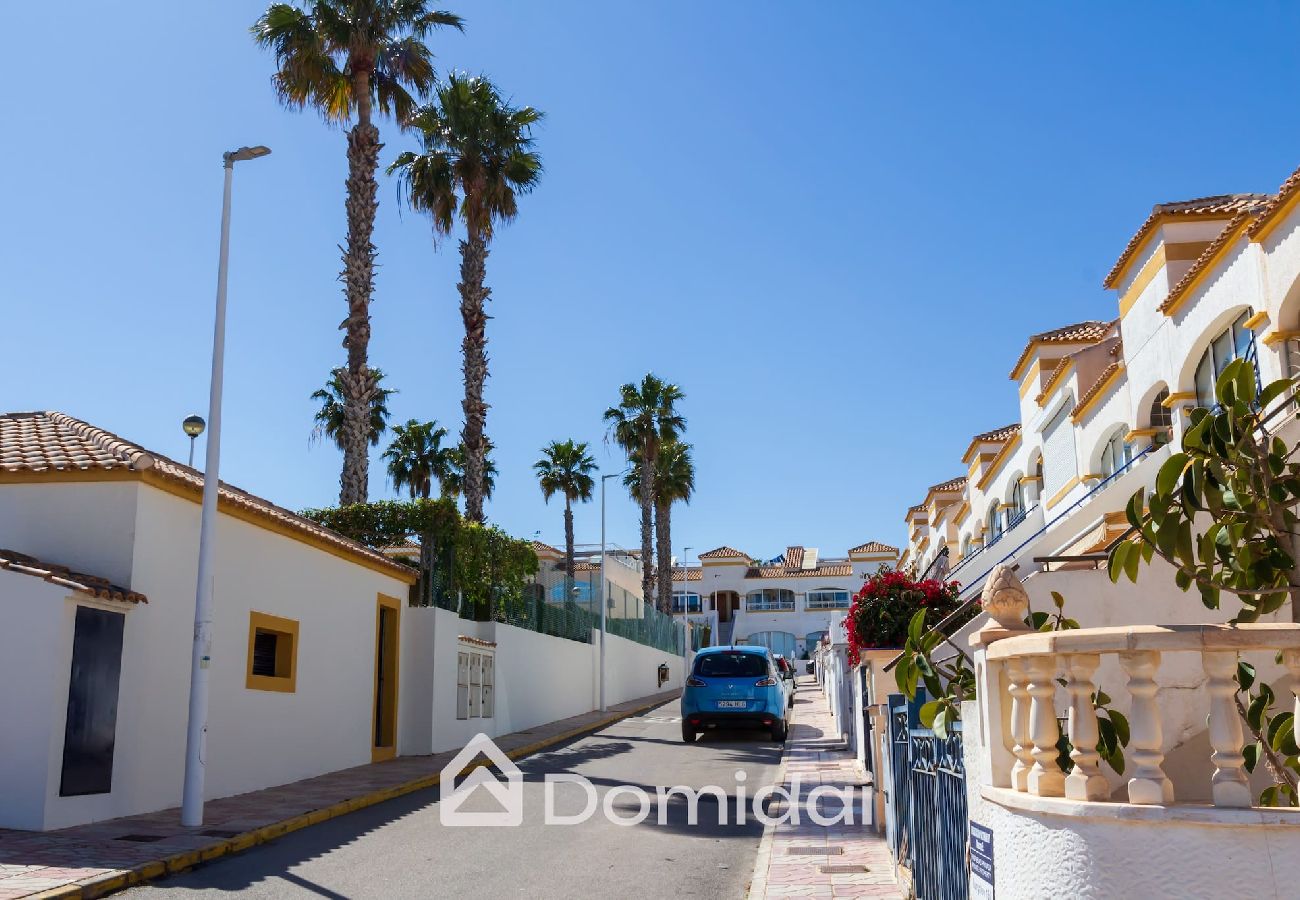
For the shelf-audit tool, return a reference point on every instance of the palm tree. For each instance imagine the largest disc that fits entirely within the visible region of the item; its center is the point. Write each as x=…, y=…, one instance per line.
x=674, y=480
x=416, y=458
x=455, y=483
x=476, y=158
x=345, y=58
x=329, y=418
x=646, y=418
x=565, y=468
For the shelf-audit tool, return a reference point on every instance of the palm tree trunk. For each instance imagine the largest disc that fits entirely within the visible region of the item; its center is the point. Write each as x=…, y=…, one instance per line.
x=426, y=569
x=647, y=506
x=663, y=536
x=356, y=381
x=568, y=548
x=473, y=300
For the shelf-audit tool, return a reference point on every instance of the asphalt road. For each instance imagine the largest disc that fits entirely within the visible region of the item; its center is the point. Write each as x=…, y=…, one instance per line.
x=400, y=849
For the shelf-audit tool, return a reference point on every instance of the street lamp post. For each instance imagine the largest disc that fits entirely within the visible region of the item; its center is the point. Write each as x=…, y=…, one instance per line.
x=686, y=613
x=604, y=600
x=201, y=659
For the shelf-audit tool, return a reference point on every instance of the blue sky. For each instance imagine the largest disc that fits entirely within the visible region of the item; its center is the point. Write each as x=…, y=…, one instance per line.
x=834, y=224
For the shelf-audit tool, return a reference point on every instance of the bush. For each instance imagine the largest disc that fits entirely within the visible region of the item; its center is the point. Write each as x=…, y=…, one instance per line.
x=881, y=610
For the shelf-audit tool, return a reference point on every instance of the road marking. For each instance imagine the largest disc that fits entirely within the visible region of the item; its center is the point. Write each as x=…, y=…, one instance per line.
x=661, y=720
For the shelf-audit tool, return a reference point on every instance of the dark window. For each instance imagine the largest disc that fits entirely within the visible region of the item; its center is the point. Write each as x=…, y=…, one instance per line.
x=264, y=653
x=731, y=665
x=91, y=725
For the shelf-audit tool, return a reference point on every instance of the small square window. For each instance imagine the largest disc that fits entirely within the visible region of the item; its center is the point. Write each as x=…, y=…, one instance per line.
x=272, y=653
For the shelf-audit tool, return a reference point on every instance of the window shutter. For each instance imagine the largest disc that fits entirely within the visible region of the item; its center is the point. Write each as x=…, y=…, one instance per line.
x=1059, y=464
x=264, y=653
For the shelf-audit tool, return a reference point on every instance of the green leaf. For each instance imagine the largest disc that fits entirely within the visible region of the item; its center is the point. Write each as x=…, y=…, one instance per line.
x=916, y=626
x=940, y=726
x=1131, y=563
x=928, y=711
x=1101, y=698
x=1252, y=752
x=1121, y=726
x=1115, y=565
x=1255, y=712
x=1058, y=600
x=1245, y=674
x=1169, y=473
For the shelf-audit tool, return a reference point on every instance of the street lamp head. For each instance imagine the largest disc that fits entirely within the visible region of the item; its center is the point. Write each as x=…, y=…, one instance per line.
x=243, y=153
x=194, y=425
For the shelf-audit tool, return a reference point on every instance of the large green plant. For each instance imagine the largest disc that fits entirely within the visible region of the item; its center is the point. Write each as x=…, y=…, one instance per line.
x=487, y=566
x=1222, y=513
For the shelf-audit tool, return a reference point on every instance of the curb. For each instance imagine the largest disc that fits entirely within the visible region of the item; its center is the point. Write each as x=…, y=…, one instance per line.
x=180, y=862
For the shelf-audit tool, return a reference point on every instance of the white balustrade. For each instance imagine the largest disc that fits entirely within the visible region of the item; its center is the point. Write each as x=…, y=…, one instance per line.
x=1030, y=662
x=1085, y=782
x=1018, y=688
x=1046, y=778
x=1229, y=784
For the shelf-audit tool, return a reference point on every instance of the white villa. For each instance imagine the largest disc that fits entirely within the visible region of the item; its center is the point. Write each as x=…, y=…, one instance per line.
x=788, y=604
x=1101, y=405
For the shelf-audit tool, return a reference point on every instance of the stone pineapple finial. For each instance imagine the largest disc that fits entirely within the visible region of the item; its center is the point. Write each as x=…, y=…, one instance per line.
x=1004, y=598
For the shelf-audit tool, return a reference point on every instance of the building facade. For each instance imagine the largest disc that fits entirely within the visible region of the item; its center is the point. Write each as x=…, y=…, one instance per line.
x=788, y=604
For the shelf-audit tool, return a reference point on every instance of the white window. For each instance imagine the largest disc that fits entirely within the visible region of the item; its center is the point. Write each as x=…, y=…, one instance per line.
x=828, y=598
x=686, y=601
x=475, y=684
x=1117, y=453
x=995, y=521
x=769, y=599
x=1232, y=343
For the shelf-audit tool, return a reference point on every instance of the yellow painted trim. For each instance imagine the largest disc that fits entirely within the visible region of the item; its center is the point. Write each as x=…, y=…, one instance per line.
x=1174, y=399
x=1101, y=392
x=962, y=512
x=1276, y=218
x=1210, y=265
x=1028, y=479
x=286, y=654
x=1056, y=498
x=1279, y=335
x=1058, y=376
x=925, y=542
x=1007, y=449
x=1143, y=278
x=1142, y=432
x=379, y=753
x=1030, y=377
x=1257, y=321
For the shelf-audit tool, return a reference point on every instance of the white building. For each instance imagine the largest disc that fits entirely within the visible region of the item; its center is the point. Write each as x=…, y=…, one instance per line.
x=1102, y=404
x=94, y=679
x=788, y=604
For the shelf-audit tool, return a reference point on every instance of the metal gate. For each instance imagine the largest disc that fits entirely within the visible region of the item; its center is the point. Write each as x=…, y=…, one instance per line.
x=928, y=802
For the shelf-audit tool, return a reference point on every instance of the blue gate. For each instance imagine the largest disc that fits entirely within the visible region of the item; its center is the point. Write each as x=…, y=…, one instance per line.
x=928, y=802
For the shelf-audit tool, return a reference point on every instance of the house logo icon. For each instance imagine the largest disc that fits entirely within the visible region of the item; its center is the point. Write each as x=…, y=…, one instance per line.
x=509, y=794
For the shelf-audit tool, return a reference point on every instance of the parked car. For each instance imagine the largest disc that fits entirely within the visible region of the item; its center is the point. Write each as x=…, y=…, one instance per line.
x=735, y=687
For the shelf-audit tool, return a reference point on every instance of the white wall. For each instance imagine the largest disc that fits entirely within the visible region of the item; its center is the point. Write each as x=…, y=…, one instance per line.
x=36, y=652
x=89, y=526
x=256, y=739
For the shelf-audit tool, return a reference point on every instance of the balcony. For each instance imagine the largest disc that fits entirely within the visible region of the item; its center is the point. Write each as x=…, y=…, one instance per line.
x=769, y=604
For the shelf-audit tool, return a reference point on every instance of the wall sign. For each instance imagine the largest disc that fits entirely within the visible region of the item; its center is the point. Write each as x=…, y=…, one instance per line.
x=981, y=862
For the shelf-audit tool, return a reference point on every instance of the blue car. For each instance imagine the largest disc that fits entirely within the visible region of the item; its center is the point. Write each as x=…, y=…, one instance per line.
x=734, y=687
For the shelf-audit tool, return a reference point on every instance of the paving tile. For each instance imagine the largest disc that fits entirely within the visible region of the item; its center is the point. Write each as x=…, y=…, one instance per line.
x=816, y=758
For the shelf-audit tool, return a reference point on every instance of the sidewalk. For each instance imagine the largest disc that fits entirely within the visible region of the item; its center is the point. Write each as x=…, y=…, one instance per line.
x=855, y=861
x=96, y=859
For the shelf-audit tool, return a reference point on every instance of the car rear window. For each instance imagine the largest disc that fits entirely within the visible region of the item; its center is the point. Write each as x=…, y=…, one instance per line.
x=731, y=665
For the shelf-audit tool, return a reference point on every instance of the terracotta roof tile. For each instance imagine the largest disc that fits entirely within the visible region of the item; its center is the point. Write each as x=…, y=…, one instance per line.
x=832, y=570
x=724, y=552
x=873, y=547
x=1289, y=189
x=793, y=557
x=947, y=487
x=539, y=547
x=1229, y=233
x=693, y=573
x=997, y=435
x=99, y=588
x=1221, y=206
x=52, y=442
x=920, y=507
x=1079, y=333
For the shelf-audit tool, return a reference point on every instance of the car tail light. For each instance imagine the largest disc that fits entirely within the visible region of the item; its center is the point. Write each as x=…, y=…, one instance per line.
x=766, y=682
x=694, y=682
x=695, y=721
x=767, y=721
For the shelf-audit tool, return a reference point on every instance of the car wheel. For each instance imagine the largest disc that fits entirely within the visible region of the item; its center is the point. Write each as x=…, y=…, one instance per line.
x=689, y=734
x=790, y=704
x=779, y=732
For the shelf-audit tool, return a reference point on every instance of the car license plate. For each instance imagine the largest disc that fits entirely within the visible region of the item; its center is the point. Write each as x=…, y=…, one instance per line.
x=731, y=704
